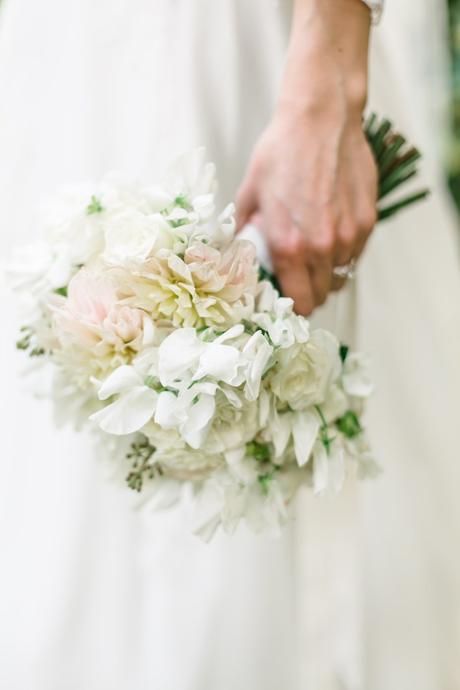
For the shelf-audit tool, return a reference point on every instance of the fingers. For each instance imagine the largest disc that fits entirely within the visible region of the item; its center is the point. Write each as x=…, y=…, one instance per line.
x=296, y=283
x=321, y=280
x=366, y=220
x=246, y=204
x=287, y=249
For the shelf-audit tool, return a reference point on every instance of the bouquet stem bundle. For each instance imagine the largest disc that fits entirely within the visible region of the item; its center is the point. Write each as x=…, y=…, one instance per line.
x=397, y=163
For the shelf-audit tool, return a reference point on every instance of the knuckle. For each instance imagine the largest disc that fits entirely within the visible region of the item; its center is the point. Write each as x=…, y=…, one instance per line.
x=347, y=236
x=368, y=219
x=286, y=246
x=323, y=244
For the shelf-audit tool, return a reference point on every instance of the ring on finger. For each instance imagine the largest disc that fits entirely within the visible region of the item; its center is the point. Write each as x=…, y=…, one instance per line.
x=347, y=271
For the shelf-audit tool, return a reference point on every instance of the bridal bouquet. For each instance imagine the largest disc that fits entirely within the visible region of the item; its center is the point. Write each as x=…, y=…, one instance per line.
x=162, y=334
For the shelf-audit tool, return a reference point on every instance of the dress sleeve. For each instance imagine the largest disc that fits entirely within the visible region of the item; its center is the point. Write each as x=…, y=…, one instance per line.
x=376, y=7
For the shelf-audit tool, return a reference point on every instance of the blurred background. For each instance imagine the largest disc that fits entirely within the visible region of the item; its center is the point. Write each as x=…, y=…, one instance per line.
x=453, y=136
x=76, y=560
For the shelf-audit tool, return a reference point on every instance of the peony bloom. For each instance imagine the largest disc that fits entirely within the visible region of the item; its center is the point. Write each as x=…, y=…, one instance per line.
x=206, y=287
x=94, y=332
x=92, y=314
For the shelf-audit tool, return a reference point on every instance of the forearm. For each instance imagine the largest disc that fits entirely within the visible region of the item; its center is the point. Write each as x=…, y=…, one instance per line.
x=326, y=65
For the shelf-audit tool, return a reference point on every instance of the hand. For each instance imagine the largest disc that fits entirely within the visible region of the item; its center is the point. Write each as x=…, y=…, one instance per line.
x=311, y=183
x=311, y=187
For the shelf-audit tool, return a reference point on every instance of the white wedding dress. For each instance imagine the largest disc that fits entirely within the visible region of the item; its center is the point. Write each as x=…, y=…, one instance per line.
x=361, y=593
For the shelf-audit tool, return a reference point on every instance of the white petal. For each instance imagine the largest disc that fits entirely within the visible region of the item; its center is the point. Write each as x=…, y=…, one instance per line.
x=320, y=469
x=305, y=427
x=264, y=407
x=168, y=410
x=233, y=332
x=235, y=456
x=178, y=352
x=206, y=530
x=356, y=376
x=220, y=362
x=129, y=413
x=281, y=429
x=208, y=507
x=148, y=331
x=336, y=467
x=122, y=379
x=260, y=352
x=200, y=415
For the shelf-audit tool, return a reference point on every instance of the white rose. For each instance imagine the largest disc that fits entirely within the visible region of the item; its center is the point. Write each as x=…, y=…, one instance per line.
x=235, y=422
x=305, y=372
x=177, y=459
x=131, y=235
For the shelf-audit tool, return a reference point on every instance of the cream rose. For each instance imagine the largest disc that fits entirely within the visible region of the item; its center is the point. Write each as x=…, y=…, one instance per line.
x=305, y=372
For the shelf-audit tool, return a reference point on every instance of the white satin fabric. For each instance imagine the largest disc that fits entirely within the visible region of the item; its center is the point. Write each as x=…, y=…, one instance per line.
x=359, y=593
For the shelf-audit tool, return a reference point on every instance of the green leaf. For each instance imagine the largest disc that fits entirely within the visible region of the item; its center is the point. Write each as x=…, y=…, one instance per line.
x=343, y=351
x=94, y=206
x=61, y=291
x=266, y=275
x=349, y=424
x=264, y=481
x=258, y=451
x=389, y=211
x=183, y=202
x=396, y=162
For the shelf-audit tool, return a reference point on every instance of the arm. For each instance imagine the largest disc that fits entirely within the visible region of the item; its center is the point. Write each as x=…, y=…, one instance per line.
x=311, y=183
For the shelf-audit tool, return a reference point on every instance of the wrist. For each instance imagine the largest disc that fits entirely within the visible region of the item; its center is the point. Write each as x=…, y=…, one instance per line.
x=326, y=64
x=323, y=88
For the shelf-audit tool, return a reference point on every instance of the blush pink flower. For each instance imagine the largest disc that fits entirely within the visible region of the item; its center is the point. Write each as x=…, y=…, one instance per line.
x=92, y=317
x=205, y=287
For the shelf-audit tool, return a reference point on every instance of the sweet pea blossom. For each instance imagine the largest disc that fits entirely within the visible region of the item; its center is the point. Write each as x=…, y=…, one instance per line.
x=134, y=406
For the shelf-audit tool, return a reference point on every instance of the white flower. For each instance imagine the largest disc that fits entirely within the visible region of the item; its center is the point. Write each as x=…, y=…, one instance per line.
x=356, y=378
x=134, y=406
x=235, y=422
x=184, y=356
x=190, y=411
x=257, y=353
x=192, y=178
x=151, y=314
x=176, y=458
x=133, y=236
x=335, y=404
x=305, y=371
x=328, y=469
x=205, y=286
x=302, y=427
